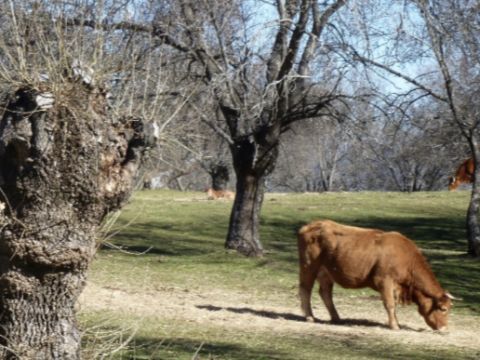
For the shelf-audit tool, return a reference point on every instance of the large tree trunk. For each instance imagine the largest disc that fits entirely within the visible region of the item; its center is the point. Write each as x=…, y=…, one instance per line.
x=243, y=234
x=253, y=159
x=473, y=226
x=62, y=170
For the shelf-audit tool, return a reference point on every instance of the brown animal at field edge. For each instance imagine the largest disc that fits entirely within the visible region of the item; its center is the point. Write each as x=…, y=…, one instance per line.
x=220, y=194
x=464, y=174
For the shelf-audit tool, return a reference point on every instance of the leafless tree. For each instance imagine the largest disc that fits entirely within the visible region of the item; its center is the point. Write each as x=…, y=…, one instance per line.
x=196, y=157
x=454, y=36
x=447, y=33
x=259, y=92
x=258, y=77
x=409, y=151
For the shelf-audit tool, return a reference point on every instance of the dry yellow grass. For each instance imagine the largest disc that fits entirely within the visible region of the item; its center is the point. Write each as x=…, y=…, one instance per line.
x=364, y=316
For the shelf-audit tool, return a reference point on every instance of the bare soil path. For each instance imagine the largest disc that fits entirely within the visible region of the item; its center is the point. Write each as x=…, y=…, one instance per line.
x=364, y=317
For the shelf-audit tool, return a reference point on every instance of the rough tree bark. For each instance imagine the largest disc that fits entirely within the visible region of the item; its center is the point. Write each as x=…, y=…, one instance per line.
x=472, y=223
x=253, y=160
x=243, y=234
x=63, y=169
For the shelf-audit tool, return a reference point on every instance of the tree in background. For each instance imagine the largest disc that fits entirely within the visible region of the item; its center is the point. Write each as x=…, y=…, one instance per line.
x=443, y=38
x=376, y=147
x=311, y=157
x=454, y=38
x=409, y=151
x=259, y=93
x=213, y=151
x=195, y=156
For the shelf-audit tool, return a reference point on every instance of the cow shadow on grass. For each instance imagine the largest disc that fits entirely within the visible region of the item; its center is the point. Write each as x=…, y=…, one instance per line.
x=293, y=317
x=261, y=313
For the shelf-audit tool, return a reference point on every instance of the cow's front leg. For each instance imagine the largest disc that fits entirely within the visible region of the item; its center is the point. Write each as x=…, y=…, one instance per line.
x=326, y=293
x=388, y=296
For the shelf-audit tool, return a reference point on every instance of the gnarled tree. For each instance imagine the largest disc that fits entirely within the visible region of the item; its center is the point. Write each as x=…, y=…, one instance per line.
x=68, y=157
x=63, y=170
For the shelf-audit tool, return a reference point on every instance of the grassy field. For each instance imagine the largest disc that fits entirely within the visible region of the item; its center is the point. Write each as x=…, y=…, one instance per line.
x=173, y=292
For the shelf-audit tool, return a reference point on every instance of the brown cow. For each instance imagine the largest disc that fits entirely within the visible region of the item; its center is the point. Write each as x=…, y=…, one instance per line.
x=355, y=257
x=219, y=194
x=464, y=174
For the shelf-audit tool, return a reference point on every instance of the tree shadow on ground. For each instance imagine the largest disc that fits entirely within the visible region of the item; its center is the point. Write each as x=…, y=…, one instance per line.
x=344, y=346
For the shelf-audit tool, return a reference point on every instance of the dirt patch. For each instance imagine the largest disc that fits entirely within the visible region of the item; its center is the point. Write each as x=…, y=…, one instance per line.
x=234, y=310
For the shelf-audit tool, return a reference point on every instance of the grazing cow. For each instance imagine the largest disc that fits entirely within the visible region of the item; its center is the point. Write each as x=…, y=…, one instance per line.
x=464, y=174
x=355, y=257
x=219, y=194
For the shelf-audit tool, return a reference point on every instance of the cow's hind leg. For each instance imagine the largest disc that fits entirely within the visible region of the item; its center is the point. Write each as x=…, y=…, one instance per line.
x=388, y=290
x=307, y=280
x=326, y=293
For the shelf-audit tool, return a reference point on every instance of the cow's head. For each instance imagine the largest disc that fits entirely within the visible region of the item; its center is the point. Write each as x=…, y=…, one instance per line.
x=435, y=310
x=452, y=183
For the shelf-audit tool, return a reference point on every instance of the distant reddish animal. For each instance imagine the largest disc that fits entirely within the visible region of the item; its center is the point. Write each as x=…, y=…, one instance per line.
x=464, y=174
x=355, y=257
x=219, y=194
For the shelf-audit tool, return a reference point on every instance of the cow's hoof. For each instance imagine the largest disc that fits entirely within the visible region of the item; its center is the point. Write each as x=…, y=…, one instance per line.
x=310, y=319
x=394, y=327
x=335, y=321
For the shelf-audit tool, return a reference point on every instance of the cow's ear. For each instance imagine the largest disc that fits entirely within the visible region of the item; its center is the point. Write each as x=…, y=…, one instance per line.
x=442, y=302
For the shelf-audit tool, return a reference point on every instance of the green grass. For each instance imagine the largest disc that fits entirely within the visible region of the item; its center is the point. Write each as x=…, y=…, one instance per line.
x=175, y=343
x=184, y=236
